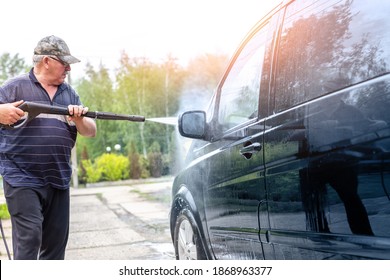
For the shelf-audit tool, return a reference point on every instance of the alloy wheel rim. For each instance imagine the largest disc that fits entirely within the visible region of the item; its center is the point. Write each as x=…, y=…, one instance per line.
x=186, y=244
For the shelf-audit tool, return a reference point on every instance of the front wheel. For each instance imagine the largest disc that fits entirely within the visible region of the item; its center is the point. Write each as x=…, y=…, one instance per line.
x=186, y=239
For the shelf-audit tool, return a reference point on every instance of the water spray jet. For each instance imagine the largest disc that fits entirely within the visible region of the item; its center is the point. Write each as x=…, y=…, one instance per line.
x=164, y=120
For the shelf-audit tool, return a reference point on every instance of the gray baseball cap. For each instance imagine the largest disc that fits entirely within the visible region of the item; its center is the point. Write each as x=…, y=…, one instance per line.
x=52, y=45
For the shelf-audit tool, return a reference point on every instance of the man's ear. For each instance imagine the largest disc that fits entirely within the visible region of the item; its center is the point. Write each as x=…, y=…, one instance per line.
x=45, y=61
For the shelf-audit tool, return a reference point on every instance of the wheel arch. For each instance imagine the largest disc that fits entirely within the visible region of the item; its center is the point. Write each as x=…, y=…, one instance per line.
x=184, y=200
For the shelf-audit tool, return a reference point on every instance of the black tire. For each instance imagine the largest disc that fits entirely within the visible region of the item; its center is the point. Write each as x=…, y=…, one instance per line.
x=188, y=245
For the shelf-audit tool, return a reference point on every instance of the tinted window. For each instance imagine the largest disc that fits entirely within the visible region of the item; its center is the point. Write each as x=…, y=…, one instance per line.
x=327, y=45
x=240, y=91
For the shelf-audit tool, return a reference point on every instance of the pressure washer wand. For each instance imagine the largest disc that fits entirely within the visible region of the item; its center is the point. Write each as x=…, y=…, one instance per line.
x=34, y=109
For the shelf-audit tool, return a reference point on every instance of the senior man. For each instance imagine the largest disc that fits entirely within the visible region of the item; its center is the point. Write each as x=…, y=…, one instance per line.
x=35, y=159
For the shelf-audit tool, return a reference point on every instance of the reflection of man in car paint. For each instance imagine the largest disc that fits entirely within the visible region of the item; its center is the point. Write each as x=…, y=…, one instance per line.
x=338, y=169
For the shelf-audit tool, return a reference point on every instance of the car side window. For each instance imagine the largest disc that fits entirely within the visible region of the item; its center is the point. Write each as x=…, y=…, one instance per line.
x=323, y=48
x=239, y=96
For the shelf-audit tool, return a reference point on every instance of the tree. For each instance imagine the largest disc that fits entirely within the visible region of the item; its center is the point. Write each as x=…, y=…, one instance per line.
x=132, y=86
x=151, y=90
x=96, y=92
x=172, y=87
x=10, y=66
x=202, y=76
x=142, y=87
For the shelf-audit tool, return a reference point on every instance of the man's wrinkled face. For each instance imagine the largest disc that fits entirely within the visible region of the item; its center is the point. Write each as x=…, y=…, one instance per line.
x=58, y=70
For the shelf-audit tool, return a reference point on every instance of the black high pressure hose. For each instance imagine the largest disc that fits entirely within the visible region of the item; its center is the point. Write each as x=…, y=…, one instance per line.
x=5, y=241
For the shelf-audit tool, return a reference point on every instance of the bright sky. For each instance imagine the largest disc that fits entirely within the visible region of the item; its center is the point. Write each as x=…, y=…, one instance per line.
x=96, y=31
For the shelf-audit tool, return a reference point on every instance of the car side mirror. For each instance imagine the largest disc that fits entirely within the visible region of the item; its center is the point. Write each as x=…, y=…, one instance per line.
x=192, y=124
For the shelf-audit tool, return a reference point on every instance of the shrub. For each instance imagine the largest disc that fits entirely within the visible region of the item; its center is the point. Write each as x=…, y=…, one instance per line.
x=155, y=160
x=92, y=173
x=114, y=167
x=82, y=173
x=155, y=164
x=144, y=167
x=135, y=171
x=107, y=167
x=4, y=214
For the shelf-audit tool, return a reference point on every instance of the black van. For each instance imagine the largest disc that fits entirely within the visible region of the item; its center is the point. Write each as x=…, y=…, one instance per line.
x=292, y=158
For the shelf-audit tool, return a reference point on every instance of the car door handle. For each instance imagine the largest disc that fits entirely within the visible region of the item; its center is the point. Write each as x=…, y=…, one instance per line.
x=248, y=150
